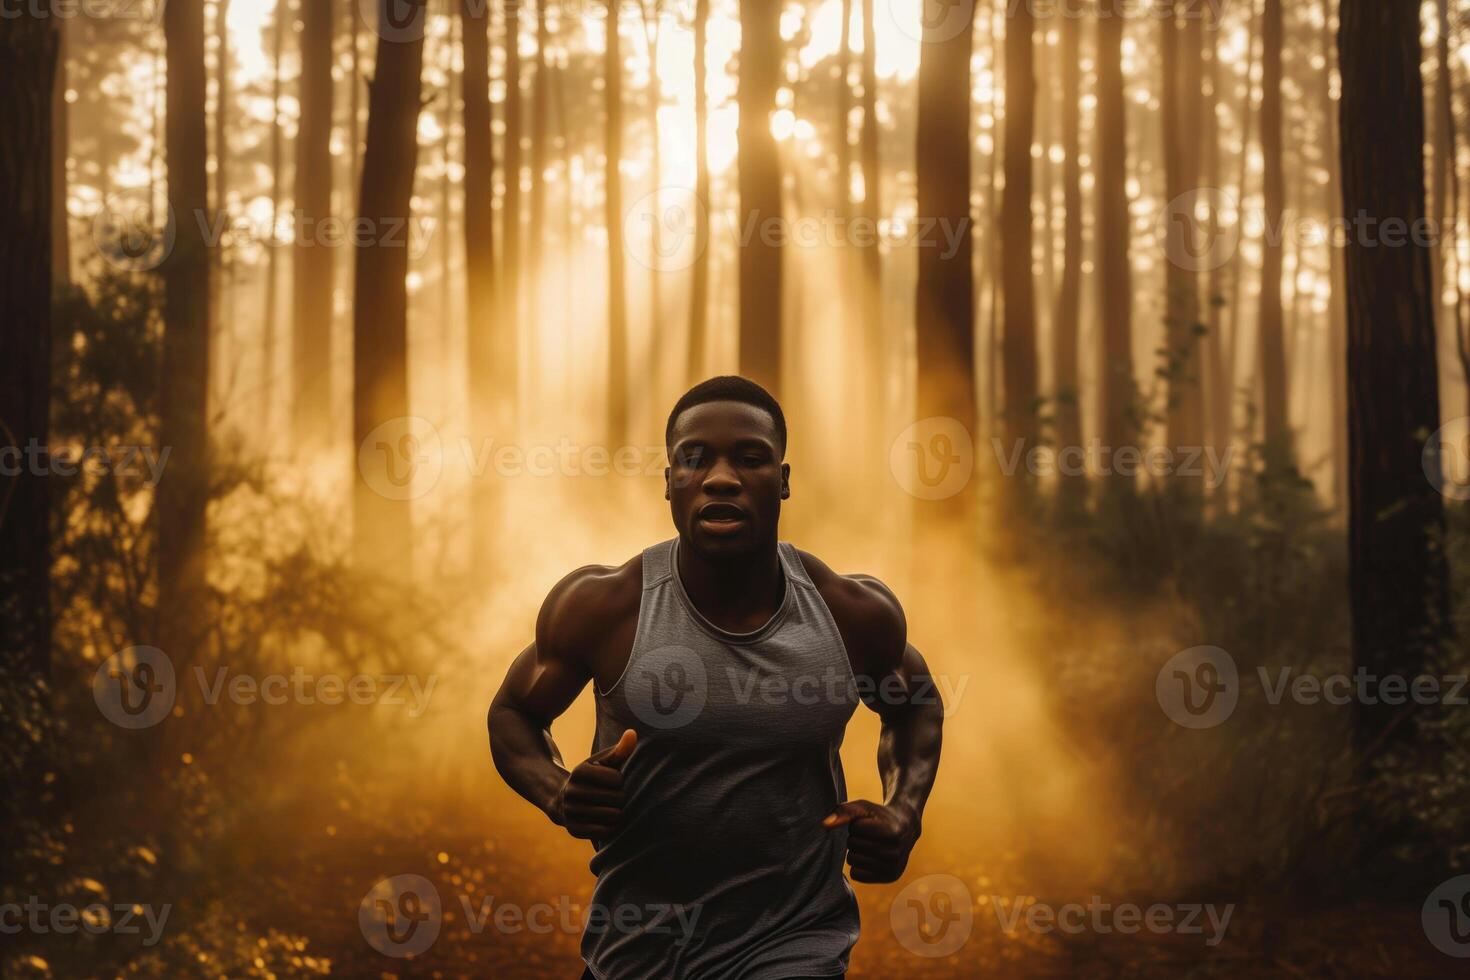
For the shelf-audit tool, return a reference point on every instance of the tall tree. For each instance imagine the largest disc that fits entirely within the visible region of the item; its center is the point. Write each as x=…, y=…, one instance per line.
x=280, y=18
x=1397, y=572
x=183, y=494
x=1217, y=369
x=1272, y=343
x=510, y=206
x=652, y=11
x=617, y=302
x=1114, y=273
x=491, y=357
x=1337, y=288
x=60, y=223
x=759, y=167
x=1018, y=347
x=944, y=309
x=1067, y=321
x=29, y=49
x=871, y=277
x=1181, y=108
x=699, y=275
x=540, y=113
x=223, y=103
x=381, y=526
x=312, y=277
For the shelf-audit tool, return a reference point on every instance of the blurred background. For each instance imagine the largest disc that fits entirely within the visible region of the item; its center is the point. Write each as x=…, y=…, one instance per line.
x=1126, y=340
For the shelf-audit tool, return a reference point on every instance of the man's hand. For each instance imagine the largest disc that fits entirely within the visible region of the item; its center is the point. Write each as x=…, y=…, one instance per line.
x=590, y=802
x=879, y=839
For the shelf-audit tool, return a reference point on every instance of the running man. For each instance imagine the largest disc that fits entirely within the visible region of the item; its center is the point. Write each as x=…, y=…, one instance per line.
x=725, y=664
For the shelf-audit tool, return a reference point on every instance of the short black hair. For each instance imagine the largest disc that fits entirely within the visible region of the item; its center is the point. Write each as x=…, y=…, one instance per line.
x=729, y=388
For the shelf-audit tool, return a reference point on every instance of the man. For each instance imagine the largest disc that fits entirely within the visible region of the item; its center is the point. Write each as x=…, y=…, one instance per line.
x=726, y=665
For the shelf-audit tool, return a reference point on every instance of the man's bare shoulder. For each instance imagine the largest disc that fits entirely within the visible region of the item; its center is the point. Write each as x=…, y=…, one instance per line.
x=589, y=603
x=868, y=614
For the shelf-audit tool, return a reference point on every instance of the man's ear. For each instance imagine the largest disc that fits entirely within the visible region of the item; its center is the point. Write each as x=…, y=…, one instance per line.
x=785, y=480
x=667, y=484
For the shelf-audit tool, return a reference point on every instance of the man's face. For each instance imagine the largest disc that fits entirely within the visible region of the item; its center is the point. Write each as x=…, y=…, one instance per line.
x=726, y=479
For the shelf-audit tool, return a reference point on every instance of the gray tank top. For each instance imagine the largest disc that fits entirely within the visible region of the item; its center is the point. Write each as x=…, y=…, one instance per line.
x=721, y=868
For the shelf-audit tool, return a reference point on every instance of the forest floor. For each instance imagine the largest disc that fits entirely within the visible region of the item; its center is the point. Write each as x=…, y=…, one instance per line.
x=296, y=914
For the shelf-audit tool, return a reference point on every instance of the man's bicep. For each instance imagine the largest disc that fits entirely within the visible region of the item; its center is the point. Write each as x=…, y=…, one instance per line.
x=542, y=684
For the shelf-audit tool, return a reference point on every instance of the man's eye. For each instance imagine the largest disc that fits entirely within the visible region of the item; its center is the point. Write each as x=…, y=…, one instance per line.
x=693, y=459
x=754, y=460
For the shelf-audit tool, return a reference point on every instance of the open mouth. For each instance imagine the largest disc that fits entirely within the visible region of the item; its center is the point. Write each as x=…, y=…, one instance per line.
x=721, y=518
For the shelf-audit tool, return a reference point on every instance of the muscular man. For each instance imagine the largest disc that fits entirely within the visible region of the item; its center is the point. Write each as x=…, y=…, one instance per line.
x=726, y=665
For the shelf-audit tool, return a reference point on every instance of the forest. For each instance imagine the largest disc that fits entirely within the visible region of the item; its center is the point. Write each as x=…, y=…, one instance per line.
x=1127, y=341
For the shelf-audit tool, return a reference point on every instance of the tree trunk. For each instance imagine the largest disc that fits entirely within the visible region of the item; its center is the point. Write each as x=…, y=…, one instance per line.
x=312, y=276
x=1114, y=274
x=870, y=277
x=1397, y=569
x=759, y=168
x=272, y=248
x=381, y=526
x=60, y=222
x=1180, y=110
x=699, y=282
x=510, y=209
x=1216, y=425
x=652, y=12
x=491, y=353
x=224, y=305
x=1274, y=410
x=617, y=301
x=1068, y=320
x=1237, y=261
x=944, y=308
x=535, y=243
x=29, y=49
x=184, y=493
x=1018, y=346
x=1337, y=288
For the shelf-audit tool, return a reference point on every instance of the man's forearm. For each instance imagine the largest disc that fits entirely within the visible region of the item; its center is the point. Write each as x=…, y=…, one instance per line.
x=526, y=757
x=908, y=748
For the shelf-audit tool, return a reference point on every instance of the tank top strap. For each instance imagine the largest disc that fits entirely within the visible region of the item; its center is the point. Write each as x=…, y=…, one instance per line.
x=658, y=564
x=791, y=563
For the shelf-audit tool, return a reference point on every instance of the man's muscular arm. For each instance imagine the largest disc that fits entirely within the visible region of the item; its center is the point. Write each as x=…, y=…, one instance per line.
x=894, y=681
x=580, y=616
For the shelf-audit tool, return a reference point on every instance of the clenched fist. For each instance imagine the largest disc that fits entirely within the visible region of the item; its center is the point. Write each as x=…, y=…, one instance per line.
x=879, y=839
x=590, y=802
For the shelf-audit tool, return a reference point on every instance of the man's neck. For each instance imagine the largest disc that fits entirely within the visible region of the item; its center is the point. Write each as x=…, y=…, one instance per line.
x=736, y=594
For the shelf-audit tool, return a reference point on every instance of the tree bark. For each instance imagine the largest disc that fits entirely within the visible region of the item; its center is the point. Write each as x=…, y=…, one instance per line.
x=1274, y=407
x=759, y=179
x=944, y=308
x=1018, y=346
x=491, y=354
x=699, y=281
x=312, y=275
x=1181, y=108
x=381, y=526
x=1114, y=274
x=510, y=206
x=1337, y=287
x=871, y=277
x=29, y=50
x=60, y=223
x=1397, y=571
x=1068, y=318
x=617, y=302
x=535, y=243
x=272, y=247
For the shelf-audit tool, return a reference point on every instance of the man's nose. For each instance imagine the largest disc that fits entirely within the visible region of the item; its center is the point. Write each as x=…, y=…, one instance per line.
x=721, y=479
